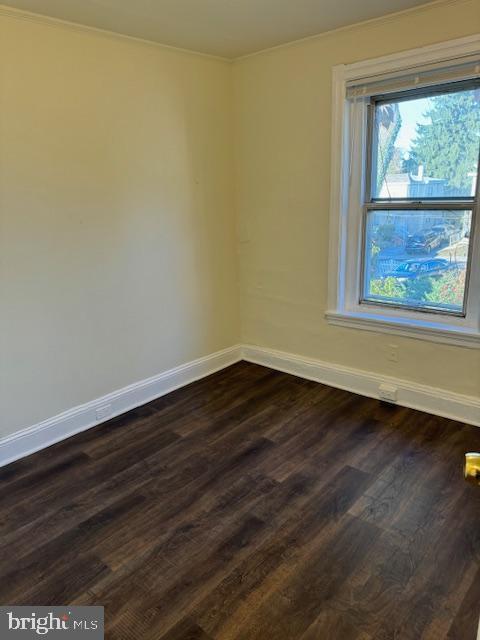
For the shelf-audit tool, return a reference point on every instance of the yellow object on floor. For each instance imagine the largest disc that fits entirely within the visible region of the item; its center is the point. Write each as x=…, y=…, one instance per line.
x=472, y=467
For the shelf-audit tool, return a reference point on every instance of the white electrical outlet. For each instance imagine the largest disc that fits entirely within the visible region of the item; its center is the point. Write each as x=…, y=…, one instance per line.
x=388, y=392
x=103, y=412
x=392, y=352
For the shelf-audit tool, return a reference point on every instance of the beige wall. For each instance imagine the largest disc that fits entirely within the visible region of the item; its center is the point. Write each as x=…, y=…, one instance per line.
x=282, y=145
x=118, y=257
x=117, y=235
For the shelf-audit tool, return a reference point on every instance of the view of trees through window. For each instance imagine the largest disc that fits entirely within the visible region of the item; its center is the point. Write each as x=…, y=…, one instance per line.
x=424, y=149
x=428, y=147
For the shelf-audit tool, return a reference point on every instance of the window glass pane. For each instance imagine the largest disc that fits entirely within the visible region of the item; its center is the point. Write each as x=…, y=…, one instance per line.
x=417, y=258
x=427, y=147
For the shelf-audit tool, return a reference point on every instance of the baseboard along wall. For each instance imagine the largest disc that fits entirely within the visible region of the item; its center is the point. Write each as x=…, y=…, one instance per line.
x=68, y=423
x=424, y=398
x=433, y=400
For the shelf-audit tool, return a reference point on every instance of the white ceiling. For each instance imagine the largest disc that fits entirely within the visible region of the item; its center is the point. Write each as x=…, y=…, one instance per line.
x=228, y=28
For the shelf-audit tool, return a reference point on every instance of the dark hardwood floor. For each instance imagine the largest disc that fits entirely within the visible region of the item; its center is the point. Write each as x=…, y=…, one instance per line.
x=252, y=505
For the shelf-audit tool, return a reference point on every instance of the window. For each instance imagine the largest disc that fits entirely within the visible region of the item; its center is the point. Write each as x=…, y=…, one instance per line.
x=422, y=167
x=405, y=235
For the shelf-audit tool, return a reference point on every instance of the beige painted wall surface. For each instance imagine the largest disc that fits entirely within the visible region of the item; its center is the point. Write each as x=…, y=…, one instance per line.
x=117, y=234
x=117, y=231
x=282, y=141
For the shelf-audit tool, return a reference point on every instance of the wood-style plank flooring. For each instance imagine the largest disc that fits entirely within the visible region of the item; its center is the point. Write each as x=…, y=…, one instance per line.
x=252, y=505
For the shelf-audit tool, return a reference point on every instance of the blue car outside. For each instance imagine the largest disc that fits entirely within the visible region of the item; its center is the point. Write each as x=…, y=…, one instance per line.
x=415, y=268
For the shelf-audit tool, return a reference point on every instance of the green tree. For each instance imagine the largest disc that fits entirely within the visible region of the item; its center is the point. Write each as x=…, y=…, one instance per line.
x=448, y=146
x=449, y=289
x=418, y=289
x=388, y=288
x=446, y=289
x=386, y=234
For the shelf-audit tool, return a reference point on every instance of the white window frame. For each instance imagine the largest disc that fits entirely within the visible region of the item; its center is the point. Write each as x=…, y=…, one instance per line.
x=346, y=207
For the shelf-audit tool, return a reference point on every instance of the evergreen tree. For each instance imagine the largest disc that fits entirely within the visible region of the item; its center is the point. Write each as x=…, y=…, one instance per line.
x=448, y=147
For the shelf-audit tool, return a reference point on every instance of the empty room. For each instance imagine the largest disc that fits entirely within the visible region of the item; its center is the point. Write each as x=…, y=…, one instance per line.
x=240, y=319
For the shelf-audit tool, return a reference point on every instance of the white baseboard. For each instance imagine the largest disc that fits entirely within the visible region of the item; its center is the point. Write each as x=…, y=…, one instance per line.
x=48, y=432
x=416, y=396
x=424, y=398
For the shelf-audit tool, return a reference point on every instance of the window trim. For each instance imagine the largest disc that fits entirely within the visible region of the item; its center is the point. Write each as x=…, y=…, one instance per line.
x=346, y=232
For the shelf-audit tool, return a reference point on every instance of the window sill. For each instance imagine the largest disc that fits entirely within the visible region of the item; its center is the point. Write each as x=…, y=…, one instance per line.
x=420, y=329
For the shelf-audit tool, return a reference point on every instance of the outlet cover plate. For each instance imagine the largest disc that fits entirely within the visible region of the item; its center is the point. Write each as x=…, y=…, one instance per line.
x=388, y=392
x=103, y=412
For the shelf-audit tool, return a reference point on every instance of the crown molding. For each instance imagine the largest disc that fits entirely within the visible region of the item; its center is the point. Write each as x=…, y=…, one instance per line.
x=49, y=21
x=30, y=16
x=372, y=22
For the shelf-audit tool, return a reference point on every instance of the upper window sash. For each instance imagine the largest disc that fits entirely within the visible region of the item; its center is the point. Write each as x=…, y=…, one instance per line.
x=371, y=160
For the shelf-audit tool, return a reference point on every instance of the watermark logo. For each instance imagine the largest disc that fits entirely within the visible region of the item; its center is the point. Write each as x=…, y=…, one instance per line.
x=26, y=623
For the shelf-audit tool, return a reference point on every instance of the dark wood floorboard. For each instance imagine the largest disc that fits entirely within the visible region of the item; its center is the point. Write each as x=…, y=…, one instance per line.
x=252, y=505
